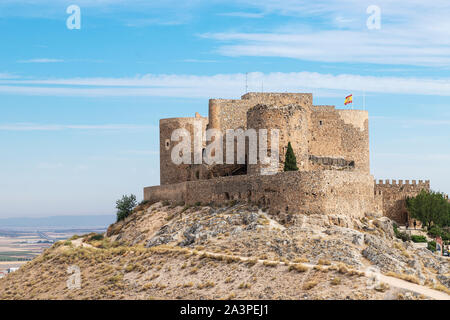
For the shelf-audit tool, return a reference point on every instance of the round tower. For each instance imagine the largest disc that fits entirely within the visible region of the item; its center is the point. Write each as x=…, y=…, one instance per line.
x=169, y=171
x=214, y=114
x=292, y=123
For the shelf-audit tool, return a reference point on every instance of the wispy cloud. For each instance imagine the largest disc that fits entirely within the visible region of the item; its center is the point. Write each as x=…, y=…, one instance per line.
x=383, y=47
x=5, y=75
x=412, y=33
x=248, y=15
x=199, y=61
x=60, y=127
x=225, y=85
x=153, y=21
x=41, y=60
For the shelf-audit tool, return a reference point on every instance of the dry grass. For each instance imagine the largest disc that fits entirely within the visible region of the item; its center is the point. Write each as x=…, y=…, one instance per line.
x=324, y=262
x=310, y=284
x=207, y=284
x=229, y=280
x=245, y=285
x=114, y=272
x=382, y=287
x=272, y=264
x=298, y=267
x=402, y=276
x=231, y=296
x=336, y=281
x=251, y=262
x=154, y=276
x=442, y=288
x=342, y=268
x=402, y=250
x=321, y=269
x=194, y=270
x=300, y=260
x=353, y=272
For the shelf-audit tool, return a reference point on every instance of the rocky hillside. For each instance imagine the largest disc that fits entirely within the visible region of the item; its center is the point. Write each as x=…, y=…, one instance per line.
x=169, y=251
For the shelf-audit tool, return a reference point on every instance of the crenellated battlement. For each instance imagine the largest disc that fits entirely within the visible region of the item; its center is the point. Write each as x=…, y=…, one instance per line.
x=393, y=194
x=397, y=183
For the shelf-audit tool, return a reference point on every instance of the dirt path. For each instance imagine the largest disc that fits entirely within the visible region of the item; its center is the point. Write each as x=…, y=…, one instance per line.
x=391, y=281
x=402, y=284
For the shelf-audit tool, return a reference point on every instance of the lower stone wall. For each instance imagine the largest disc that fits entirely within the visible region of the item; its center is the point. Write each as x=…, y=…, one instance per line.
x=309, y=192
x=173, y=192
x=394, y=195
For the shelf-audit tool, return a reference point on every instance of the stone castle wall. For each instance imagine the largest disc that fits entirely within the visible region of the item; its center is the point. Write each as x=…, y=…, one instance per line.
x=332, y=150
x=323, y=137
x=392, y=196
x=292, y=122
x=169, y=172
x=321, y=192
x=232, y=114
x=340, y=134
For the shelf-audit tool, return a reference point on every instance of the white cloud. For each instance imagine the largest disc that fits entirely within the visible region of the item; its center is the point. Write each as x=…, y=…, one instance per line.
x=386, y=46
x=225, y=85
x=138, y=23
x=199, y=61
x=249, y=15
x=41, y=60
x=412, y=33
x=5, y=75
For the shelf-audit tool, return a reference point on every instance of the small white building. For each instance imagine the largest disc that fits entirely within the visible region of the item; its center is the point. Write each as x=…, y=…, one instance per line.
x=10, y=270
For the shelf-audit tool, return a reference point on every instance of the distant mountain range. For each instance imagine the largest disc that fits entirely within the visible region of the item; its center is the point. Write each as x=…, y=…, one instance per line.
x=65, y=222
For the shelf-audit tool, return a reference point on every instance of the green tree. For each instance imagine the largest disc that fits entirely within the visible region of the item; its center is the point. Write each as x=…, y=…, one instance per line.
x=125, y=206
x=290, y=163
x=430, y=208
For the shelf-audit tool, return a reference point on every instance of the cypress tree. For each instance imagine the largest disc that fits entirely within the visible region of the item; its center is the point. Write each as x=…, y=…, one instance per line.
x=290, y=163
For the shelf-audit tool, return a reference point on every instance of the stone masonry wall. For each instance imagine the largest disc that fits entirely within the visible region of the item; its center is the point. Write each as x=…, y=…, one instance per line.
x=292, y=122
x=340, y=134
x=232, y=114
x=321, y=192
x=393, y=196
x=169, y=172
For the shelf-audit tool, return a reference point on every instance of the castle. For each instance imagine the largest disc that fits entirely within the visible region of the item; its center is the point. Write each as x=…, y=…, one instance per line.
x=331, y=147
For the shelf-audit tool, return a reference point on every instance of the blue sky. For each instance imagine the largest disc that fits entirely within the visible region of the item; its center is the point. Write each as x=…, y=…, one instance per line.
x=79, y=109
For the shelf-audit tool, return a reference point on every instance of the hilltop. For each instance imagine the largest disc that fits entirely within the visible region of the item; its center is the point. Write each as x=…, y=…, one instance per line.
x=236, y=251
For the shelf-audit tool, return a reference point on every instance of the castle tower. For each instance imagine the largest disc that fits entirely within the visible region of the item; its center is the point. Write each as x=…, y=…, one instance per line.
x=170, y=172
x=292, y=121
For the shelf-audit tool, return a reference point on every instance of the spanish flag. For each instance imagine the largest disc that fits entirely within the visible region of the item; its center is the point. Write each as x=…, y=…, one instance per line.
x=348, y=99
